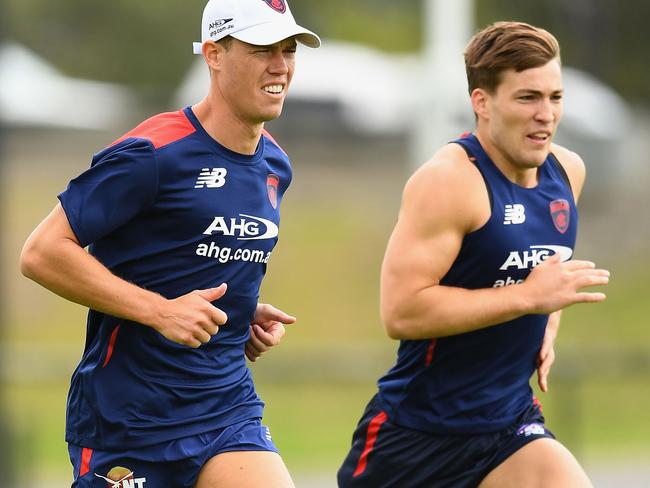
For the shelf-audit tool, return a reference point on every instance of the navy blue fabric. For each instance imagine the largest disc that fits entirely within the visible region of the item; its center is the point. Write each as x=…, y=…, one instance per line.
x=187, y=215
x=479, y=381
x=171, y=464
x=407, y=458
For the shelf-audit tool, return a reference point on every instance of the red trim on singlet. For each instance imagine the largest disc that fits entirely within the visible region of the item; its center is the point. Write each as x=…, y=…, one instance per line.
x=537, y=403
x=270, y=137
x=429, y=356
x=162, y=129
x=86, y=454
x=371, y=437
x=111, y=345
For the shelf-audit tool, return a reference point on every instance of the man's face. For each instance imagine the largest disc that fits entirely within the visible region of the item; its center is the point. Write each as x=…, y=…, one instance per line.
x=523, y=114
x=254, y=79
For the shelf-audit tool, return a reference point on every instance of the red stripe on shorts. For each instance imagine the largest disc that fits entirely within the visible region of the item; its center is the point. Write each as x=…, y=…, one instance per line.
x=86, y=454
x=371, y=437
x=111, y=345
x=430, y=349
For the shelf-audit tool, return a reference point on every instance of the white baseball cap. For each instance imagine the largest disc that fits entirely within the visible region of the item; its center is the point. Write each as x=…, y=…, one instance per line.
x=260, y=22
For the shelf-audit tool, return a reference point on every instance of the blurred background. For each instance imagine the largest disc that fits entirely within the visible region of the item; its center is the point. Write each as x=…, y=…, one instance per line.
x=386, y=89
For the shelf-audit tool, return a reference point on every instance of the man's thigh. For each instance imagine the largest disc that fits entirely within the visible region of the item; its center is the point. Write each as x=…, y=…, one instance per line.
x=542, y=463
x=245, y=469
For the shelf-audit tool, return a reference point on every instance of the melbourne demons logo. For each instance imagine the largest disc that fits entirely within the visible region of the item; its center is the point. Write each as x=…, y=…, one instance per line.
x=272, y=182
x=277, y=5
x=560, y=213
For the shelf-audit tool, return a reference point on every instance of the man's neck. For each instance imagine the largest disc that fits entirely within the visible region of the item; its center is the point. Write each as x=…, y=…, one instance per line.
x=228, y=130
x=516, y=173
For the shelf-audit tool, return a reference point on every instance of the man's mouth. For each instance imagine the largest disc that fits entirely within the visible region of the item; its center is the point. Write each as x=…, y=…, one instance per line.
x=539, y=137
x=273, y=89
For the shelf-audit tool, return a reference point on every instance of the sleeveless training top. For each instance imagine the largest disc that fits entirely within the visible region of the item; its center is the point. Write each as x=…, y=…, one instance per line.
x=479, y=381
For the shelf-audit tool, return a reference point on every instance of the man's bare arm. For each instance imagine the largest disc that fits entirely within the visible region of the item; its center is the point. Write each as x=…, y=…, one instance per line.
x=53, y=257
x=442, y=202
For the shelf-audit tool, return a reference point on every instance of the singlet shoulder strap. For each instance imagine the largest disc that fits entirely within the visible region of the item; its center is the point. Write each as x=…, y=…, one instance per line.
x=556, y=163
x=465, y=142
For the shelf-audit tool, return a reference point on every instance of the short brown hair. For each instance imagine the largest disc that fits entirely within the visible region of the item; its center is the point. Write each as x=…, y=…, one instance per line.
x=226, y=42
x=506, y=45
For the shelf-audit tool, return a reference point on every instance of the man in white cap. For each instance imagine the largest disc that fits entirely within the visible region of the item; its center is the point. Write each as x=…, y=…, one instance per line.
x=181, y=215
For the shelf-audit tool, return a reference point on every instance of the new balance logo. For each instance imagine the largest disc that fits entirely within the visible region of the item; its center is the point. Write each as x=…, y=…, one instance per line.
x=211, y=178
x=515, y=214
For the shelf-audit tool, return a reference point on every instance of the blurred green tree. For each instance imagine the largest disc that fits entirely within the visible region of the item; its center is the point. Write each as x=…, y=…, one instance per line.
x=604, y=37
x=147, y=43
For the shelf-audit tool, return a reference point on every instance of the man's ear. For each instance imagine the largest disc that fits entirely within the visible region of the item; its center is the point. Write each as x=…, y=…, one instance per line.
x=480, y=103
x=212, y=53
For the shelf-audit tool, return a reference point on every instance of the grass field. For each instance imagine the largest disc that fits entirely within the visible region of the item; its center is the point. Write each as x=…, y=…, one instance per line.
x=325, y=271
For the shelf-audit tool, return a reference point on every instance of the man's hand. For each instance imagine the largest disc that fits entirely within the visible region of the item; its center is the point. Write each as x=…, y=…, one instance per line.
x=267, y=330
x=191, y=319
x=546, y=356
x=554, y=285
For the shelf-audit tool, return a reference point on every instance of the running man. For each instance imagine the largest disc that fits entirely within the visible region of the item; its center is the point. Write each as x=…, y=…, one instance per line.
x=474, y=279
x=181, y=215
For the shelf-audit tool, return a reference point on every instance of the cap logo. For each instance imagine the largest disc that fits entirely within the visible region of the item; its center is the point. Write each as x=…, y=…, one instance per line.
x=218, y=23
x=216, y=27
x=277, y=5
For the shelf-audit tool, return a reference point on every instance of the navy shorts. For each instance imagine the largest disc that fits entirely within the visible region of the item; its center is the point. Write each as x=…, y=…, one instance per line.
x=174, y=464
x=385, y=455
